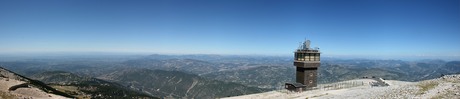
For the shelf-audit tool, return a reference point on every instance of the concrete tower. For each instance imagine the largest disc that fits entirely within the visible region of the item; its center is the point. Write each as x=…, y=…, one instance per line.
x=307, y=61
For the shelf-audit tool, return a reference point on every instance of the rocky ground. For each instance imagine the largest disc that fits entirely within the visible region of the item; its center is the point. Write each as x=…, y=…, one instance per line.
x=447, y=87
x=13, y=86
x=23, y=92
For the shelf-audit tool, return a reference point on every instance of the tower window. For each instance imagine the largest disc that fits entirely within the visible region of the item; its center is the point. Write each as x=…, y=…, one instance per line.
x=306, y=57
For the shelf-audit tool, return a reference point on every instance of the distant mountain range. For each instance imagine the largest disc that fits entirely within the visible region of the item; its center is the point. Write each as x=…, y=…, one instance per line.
x=271, y=77
x=210, y=76
x=185, y=65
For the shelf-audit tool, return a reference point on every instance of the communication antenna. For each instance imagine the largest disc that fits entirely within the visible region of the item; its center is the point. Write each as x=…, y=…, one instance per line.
x=300, y=46
x=307, y=44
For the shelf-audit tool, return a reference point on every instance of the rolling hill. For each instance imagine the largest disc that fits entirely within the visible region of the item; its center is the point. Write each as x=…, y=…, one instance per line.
x=87, y=87
x=177, y=84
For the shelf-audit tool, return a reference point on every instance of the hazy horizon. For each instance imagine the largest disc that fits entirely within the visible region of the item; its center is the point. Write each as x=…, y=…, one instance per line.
x=101, y=55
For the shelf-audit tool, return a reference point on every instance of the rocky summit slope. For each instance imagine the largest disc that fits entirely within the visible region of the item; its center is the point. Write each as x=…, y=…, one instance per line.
x=13, y=86
x=446, y=87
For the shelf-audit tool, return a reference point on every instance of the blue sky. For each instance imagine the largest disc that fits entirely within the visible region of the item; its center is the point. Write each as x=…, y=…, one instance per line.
x=242, y=27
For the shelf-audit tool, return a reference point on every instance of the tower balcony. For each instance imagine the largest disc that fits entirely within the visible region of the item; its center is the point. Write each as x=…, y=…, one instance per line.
x=307, y=64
